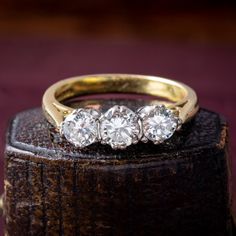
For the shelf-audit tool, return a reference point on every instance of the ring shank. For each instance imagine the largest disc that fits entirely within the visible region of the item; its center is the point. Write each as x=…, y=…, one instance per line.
x=182, y=98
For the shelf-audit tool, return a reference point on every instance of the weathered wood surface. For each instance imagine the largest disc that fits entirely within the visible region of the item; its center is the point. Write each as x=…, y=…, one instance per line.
x=177, y=188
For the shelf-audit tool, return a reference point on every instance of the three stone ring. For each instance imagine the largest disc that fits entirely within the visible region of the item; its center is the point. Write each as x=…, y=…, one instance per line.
x=119, y=126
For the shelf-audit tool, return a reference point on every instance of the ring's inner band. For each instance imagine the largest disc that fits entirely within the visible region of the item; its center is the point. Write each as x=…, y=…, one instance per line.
x=182, y=97
x=130, y=84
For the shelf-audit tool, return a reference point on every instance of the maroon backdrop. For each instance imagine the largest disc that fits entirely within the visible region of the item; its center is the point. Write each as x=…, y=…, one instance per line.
x=29, y=66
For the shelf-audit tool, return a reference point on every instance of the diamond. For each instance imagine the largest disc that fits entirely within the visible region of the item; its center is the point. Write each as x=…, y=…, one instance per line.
x=159, y=123
x=81, y=127
x=119, y=127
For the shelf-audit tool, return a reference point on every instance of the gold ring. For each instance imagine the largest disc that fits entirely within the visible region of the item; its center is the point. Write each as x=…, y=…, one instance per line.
x=119, y=126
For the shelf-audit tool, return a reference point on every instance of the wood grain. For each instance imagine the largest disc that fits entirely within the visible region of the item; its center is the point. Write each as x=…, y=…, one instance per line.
x=180, y=187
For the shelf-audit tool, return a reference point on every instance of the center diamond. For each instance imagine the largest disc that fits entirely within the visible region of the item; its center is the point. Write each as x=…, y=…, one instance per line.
x=119, y=127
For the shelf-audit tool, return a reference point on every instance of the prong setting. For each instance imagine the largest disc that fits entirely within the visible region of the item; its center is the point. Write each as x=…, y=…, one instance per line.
x=81, y=127
x=159, y=123
x=119, y=126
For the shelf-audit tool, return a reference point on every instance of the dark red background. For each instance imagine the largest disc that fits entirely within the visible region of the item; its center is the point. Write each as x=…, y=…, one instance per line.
x=29, y=66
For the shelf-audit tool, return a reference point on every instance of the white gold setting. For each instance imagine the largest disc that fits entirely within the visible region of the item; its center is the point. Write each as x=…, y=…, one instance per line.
x=119, y=126
x=159, y=123
x=81, y=127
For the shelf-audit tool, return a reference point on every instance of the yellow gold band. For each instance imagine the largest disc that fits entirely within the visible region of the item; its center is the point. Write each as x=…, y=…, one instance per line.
x=181, y=97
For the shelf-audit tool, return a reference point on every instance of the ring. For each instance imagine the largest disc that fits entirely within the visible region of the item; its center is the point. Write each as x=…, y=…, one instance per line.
x=119, y=126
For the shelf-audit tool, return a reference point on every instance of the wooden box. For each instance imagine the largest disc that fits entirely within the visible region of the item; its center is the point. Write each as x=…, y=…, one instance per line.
x=180, y=187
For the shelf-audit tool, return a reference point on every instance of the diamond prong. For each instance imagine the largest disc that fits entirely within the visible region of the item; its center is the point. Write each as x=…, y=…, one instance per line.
x=144, y=139
x=179, y=125
x=157, y=142
x=135, y=141
x=160, y=106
